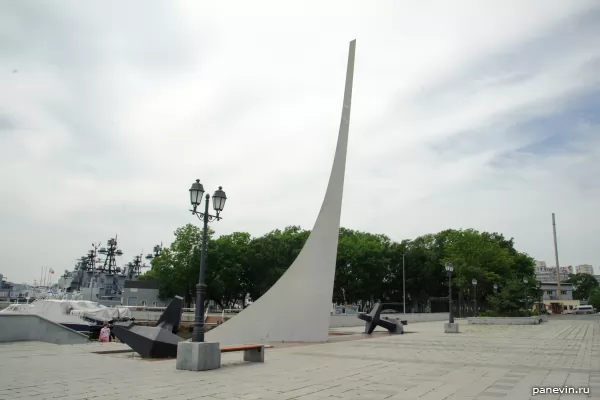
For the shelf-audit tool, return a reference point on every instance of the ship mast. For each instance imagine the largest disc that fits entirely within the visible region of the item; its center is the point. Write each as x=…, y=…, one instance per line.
x=111, y=252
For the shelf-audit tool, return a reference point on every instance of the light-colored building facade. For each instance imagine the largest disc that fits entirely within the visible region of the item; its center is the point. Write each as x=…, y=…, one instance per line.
x=550, y=297
x=544, y=274
x=584, y=269
x=550, y=291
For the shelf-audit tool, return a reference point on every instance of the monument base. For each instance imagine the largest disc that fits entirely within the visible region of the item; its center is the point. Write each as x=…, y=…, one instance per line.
x=448, y=328
x=198, y=356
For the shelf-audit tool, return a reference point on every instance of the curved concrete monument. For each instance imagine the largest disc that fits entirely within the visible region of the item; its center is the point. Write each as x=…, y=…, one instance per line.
x=297, y=308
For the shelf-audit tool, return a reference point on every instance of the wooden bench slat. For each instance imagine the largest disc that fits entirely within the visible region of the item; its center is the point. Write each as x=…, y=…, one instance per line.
x=227, y=349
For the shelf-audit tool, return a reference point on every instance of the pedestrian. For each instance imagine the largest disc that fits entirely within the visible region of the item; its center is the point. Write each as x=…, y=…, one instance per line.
x=105, y=334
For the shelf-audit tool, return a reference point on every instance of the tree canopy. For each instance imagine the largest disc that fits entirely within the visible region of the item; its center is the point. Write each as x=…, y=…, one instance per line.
x=594, y=299
x=369, y=266
x=583, y=285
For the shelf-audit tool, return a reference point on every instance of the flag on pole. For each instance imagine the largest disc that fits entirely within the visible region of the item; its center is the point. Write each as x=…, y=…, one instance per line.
x=51, y=271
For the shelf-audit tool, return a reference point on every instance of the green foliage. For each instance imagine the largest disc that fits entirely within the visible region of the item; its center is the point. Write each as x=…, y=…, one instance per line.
x=488, y=313
x=583, y=285
x=512, y=313
x=177, y=267
x=594, y=298
x=369, y=266
x=269, y=256
x=512, y=296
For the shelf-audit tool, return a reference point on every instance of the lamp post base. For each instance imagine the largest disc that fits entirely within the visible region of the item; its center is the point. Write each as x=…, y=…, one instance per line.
x=449, y=327
x=198, y=356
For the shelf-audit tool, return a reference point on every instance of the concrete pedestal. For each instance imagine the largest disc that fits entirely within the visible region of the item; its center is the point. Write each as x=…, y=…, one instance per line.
x=448, y=328
x=198, y=356
x=255, y=355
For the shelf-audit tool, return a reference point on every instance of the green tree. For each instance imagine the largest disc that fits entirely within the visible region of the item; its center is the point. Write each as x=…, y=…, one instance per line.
x=510, y=298
x=177, y=268
x=269, y=256
x=594, y=298
x=362, y=267
x=583, y=285
x=368, y=266
x=227, y=279
x=476, y=256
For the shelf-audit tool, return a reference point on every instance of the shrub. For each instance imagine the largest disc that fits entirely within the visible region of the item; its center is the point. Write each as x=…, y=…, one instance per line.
x=514, y=313
x=487, y=313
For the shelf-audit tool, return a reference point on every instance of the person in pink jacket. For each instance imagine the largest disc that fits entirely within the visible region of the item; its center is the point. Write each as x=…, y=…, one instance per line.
x=105, y=334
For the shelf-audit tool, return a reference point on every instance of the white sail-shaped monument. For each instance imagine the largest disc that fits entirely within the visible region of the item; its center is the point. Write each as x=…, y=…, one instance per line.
x=297, y=308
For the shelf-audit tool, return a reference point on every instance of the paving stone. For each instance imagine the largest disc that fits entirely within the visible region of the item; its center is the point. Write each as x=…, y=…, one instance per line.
x=481, y=362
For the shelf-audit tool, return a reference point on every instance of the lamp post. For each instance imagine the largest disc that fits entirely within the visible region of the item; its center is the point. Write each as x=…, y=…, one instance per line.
x=495, y=293
x=474, y=282
x=403, y=286
x=539, y=288
x=449, y=269
x=219, y=198
x=526, y=281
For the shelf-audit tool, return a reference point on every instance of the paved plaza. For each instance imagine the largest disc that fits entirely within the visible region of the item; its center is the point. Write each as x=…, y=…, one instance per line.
x=482, y=362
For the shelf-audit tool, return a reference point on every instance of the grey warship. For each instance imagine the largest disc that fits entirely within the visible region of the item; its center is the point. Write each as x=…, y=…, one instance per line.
x=101, y=280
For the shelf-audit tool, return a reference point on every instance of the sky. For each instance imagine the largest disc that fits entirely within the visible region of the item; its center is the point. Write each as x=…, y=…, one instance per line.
x=465, y=114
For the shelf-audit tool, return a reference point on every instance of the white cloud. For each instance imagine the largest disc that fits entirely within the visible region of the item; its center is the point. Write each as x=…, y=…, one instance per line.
x=110, y=116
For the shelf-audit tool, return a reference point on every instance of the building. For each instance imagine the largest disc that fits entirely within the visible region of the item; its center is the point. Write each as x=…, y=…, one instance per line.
x=544, y=273
x=550, y=297
x=584, y=269
x=141, y=294
x=5, y=288
x=550, y=291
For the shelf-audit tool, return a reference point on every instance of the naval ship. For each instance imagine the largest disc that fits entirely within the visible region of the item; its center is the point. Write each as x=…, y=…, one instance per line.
x=96, y=276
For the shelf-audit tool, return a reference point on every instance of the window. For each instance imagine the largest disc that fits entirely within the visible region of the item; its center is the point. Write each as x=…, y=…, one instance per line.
x=550, y=292
x=563, y=292
x=154, y=304
x=143, y=304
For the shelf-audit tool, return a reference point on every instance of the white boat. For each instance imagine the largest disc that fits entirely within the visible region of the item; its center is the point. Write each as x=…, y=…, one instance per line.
x=79, y=315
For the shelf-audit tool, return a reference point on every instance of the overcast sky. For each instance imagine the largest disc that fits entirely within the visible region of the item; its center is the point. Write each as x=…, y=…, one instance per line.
x=465, y=114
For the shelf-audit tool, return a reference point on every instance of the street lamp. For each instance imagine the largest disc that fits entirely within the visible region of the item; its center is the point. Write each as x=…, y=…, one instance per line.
x=538, y=285
x=403, y=286
x=474, y=282
x=449, y=269
x=526, y=281
x=219, y=198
